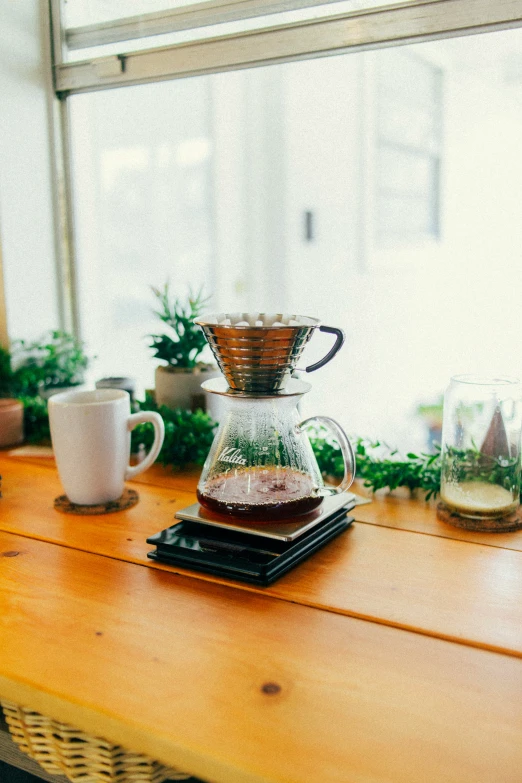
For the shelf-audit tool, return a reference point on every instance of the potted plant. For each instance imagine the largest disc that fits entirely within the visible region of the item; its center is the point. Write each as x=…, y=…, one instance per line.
x=178, y=381
x=52, y=364
x=11, y=410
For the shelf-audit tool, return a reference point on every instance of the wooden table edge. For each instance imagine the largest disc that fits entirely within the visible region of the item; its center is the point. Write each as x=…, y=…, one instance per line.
x=127, y=733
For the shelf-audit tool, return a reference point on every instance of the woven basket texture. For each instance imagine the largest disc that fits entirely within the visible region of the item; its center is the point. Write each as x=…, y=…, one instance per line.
x=63, y=750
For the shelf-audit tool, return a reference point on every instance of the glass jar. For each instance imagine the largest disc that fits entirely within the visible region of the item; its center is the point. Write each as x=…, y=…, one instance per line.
x=480, y=460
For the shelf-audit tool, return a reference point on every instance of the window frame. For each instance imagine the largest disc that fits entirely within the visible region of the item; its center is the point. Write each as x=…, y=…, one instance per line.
x=412, y=22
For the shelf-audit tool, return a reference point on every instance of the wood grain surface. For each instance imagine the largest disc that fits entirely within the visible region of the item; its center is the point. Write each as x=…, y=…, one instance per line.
x=452, y=589
x=400, y=512
x=397, y=510
x=241, y=688
x=157, y=475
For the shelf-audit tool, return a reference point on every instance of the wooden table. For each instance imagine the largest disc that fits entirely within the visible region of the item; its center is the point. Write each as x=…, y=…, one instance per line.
x=393, y=654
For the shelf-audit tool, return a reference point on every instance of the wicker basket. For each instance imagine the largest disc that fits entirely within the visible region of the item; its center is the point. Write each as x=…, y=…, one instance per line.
x=63, y=750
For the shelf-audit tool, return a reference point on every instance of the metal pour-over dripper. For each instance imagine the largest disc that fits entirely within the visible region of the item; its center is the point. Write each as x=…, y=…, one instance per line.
x=257, y=353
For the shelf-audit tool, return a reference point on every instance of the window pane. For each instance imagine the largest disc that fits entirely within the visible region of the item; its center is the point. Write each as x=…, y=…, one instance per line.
x=409, y=77
x=409, y=147
x=406, y=217
x=267, y=185
x=403, y=171
x=408, y=125
x=143, y=180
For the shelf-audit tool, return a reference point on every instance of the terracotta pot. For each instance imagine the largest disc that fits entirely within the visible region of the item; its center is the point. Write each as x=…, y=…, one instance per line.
x=11, y=422
x=181, y=388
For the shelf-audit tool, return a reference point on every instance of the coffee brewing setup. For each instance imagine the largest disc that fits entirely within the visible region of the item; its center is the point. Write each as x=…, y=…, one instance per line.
x=262, y=503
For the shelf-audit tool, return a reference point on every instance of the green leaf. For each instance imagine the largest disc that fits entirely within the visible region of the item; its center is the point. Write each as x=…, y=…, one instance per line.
x=378, y=471
x=188, y=435
x=57, y=359
x=184, y=340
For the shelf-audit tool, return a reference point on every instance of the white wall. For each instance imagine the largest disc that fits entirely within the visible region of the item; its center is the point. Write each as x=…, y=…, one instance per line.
x=27, y=233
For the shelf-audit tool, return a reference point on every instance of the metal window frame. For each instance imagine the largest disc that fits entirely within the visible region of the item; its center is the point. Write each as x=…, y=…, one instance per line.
x=171, y=20
x=411, y=22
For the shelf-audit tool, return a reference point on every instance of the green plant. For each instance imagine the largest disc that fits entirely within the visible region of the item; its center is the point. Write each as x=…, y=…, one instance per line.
x=6, y=373
x=36, y=420
x=58, y=359
x=474, y=465
x=380, y=467
x=188, y=435
x=185, y=342
x=415, y=471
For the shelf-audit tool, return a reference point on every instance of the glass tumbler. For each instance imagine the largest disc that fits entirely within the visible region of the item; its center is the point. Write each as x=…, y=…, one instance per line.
x=480, y=460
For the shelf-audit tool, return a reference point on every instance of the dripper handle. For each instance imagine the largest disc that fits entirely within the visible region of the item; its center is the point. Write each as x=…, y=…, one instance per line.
x=339, y=340
x=346, y=450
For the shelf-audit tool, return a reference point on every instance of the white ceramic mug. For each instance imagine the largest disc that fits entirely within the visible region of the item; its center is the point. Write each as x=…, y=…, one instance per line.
x=90, y=432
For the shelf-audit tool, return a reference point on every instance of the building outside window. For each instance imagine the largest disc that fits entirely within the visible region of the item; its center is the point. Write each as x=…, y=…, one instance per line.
x=409, y=148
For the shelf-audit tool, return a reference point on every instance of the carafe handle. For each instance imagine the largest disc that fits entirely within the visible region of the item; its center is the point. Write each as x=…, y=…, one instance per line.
x=339, y=340
x=346, y=451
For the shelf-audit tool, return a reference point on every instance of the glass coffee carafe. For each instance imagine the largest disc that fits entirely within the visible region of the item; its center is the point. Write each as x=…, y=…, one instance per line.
x=261, y=464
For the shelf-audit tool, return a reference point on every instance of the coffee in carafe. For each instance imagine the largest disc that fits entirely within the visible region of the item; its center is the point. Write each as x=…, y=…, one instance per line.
x=262, y=493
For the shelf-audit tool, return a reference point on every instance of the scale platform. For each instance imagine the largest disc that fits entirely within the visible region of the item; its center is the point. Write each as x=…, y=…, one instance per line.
x=258, y=553
x=282, y=529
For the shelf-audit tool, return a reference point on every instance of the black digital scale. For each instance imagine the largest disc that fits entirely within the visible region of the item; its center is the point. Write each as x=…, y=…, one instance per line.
x=255, y=552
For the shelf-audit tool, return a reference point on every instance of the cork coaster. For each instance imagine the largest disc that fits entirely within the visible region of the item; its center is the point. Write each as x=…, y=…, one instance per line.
x=129, y=498
x=487, y=525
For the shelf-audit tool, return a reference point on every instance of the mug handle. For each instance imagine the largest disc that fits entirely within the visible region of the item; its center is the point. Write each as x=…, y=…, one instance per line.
x=159, y=433
x=346, y=451
x=339, y=340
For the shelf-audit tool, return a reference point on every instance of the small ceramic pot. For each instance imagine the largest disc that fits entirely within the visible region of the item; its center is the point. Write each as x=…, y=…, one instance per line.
x=50, y=391
x=126, y=383
x=11, y=422
x=181, y=388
